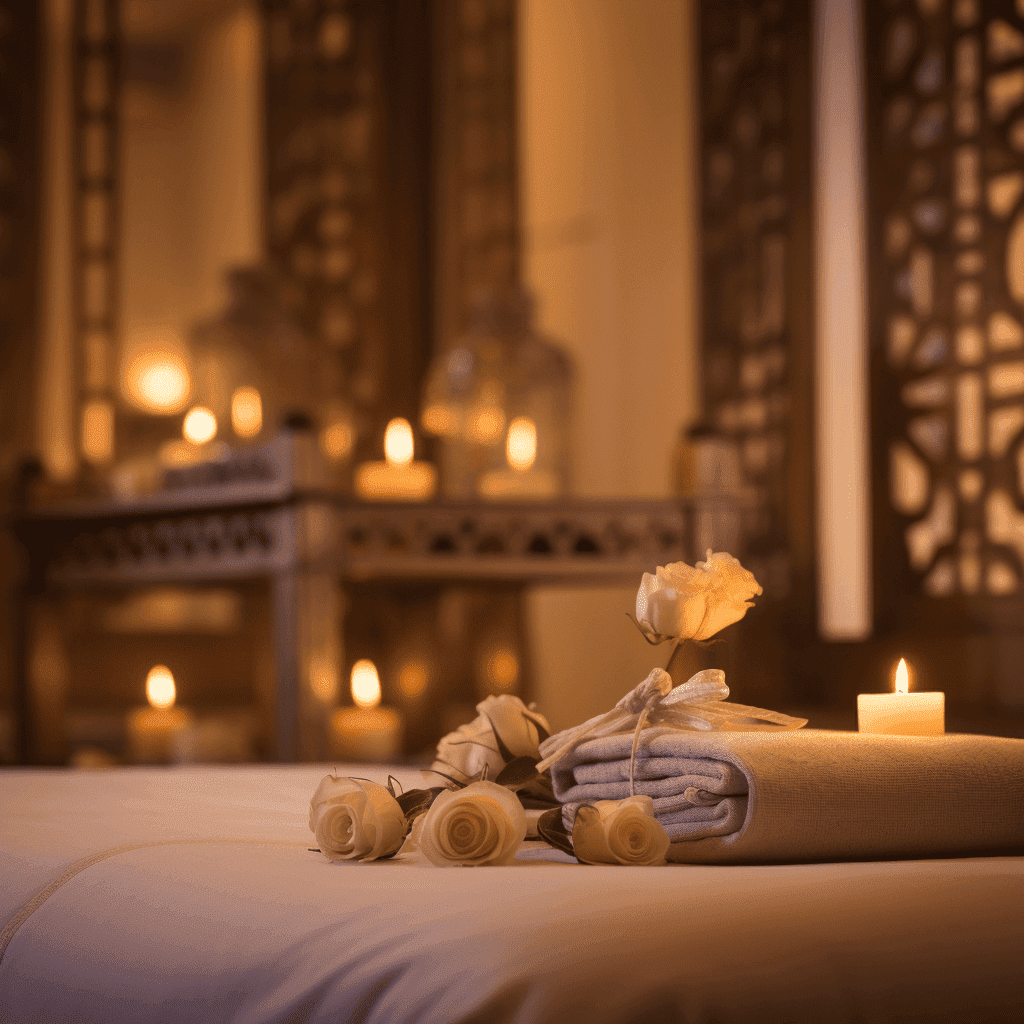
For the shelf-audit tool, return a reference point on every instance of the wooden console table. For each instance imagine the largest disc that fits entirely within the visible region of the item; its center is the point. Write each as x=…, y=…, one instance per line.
x=283, y=530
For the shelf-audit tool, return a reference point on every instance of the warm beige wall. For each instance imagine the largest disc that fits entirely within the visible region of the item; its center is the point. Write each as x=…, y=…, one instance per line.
x=192, y=196
x=608, y=197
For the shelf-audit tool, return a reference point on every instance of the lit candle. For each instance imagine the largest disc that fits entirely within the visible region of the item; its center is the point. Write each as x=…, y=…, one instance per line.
x=398, y=478
x=520, y=480
x=153, y=731
x=366, y=732
x=902, y=713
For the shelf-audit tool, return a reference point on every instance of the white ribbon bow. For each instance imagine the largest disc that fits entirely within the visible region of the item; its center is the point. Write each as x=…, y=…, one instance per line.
x=698, y=704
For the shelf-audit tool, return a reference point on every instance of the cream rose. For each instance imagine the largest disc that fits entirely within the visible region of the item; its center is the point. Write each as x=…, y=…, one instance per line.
x=685, y=602
x=355, y=820
x=472, y=746
x=481, y=824
x=619, y=832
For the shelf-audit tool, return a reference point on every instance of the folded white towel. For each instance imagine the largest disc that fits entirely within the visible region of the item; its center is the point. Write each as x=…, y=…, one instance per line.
x=749, y=797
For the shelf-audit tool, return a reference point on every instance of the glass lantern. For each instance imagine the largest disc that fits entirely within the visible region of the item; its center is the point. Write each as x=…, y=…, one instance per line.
x=253, y=367
x=499, y=400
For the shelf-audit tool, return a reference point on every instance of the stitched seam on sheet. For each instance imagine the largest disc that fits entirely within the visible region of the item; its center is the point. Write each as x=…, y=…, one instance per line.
x=30, y=906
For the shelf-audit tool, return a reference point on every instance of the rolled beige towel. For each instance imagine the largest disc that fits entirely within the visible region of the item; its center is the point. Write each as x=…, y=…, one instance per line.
x=771, y=797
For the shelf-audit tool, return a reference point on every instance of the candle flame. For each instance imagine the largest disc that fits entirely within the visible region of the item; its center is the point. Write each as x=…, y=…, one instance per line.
x=200, y=425
x=365, y=684
x=160, y=690
x=246, y=412
x=398, y=444
x=159, y=380
x=902, y=677
x=521, y=445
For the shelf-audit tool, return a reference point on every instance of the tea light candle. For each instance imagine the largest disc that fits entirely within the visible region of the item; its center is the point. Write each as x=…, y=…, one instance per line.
x=520, y=480
x=902, y=713
x=398, y=478
x=366, y=732
x=154, y=731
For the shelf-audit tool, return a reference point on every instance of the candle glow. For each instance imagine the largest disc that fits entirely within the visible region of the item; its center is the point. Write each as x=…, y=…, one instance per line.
x=159, y=380
x=398, y=442
x=521, y=443
x=365, y=684
x=200, y=425
x=246, y=412
x=160, y=688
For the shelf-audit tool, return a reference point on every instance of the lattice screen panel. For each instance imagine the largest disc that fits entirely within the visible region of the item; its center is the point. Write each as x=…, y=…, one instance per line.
x=323, y=129
x=96, y=162
x=946, y=188
x=478, y=186
x=755, y=102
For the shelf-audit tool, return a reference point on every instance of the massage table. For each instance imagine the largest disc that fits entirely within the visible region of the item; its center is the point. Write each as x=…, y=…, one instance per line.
x=193, y=894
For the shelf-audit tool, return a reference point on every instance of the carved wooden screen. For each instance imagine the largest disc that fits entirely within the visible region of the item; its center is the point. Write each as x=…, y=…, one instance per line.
x=757, y=283
x=348, y=126
x=96, y=159
x=477, y=188
x=392, y=189
x=945, y=119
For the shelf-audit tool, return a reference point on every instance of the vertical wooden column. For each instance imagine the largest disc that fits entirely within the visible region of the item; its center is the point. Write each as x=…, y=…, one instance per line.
x=21, y=62
x=476, y=193
x=20, y=209
x=96, y=191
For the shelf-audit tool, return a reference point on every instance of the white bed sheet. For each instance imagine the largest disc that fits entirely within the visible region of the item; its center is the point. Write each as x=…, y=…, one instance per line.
x=191, y=895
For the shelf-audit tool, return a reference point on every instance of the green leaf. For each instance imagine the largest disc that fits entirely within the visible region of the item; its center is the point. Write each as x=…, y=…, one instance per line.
x=392, y=782
x=416, y=801
x=518, y=771
x=552, y=831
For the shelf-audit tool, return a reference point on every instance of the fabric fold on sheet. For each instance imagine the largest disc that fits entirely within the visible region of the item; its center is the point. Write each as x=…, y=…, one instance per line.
x=756, y=797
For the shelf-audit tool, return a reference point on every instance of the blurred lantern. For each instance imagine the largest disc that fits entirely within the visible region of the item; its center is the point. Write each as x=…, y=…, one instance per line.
x=499, y=400
x=154, y=388
x=253, y=364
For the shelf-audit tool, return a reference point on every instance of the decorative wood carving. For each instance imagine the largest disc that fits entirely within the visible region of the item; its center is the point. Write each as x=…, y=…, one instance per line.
x=477, y=189
x=348, y=129
x=945, y=122
x=757, y=282
x=584, y=542
x=96, y=71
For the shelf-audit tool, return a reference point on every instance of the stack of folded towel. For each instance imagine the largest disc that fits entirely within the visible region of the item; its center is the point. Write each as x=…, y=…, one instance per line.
x=749, y=797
